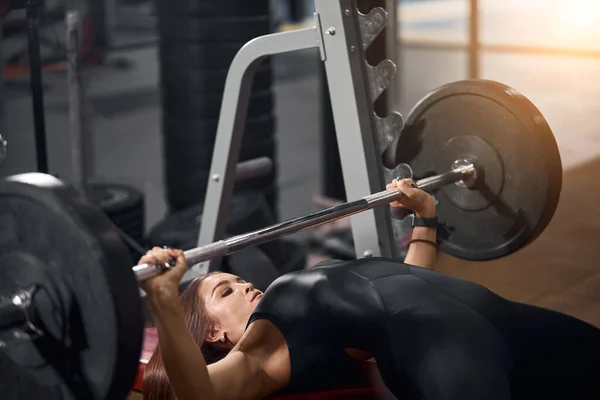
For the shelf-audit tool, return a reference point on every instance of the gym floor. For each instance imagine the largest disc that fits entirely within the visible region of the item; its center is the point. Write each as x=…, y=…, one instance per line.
x=558, y=271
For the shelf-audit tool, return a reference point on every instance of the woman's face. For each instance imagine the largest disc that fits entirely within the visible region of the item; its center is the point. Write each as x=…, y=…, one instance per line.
x=230, y=301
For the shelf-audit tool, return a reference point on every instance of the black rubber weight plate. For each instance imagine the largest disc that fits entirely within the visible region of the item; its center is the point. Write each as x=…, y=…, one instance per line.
x=115, y=198
x=87, y=304
x=247, y=211
x=183, y=77
x=519, y=183
x=209, y=8
x=208, y=105
x=201, y=56
x=192, y=29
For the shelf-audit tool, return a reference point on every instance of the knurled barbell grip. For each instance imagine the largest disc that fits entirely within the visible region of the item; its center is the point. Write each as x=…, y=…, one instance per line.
x=193, y=257
x=258, y=237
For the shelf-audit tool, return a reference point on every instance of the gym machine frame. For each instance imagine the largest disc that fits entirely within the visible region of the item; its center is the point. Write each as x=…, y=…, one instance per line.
x=341, y=34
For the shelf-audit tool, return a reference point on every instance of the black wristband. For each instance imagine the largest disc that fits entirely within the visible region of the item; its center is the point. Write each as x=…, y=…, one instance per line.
x=431, y=242
x=424, y=222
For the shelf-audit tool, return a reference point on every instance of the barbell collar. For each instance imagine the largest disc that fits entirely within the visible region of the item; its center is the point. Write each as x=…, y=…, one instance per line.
x=461, y=170
x=16, y=314
x=457, y=174
x=264, y=235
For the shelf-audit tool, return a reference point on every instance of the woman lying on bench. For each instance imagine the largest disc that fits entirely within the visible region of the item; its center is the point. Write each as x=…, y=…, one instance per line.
x=433, y=336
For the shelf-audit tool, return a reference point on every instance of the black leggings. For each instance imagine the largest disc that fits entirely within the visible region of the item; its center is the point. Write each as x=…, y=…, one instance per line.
x=459, y=341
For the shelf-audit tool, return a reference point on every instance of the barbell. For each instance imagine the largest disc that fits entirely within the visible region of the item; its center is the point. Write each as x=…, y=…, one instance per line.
x=70, y=313
x=461, y=172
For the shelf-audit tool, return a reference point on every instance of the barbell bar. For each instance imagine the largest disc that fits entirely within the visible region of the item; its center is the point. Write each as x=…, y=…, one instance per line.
x=462, y=172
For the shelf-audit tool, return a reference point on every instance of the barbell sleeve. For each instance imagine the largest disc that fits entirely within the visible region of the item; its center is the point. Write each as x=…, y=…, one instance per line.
x=14, y=310
x=255, y=168
x=11, y=314
x=236, y=243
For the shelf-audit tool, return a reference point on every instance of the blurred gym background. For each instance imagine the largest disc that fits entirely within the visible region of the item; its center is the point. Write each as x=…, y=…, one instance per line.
x=153, y=75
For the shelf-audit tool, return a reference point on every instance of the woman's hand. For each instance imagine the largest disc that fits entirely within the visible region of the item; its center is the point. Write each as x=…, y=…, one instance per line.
x=414, y=199
x=168, y=281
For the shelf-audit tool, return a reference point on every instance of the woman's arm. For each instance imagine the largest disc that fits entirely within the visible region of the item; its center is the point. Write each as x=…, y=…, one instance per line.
x=240, y=375
x=182, y=358
x=257, y=367
x=422, y=250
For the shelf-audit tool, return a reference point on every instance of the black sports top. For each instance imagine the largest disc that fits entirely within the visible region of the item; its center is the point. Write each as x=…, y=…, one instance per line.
x=434, y=336
x=321, y=312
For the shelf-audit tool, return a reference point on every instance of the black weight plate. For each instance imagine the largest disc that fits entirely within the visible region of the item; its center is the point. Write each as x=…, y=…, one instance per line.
x=126, y=218
x=174, y=77
x=132, y=225
x=114, y=198
x=192, y=29
x=18, y=384
x=87, y=304
x=201, y=56
x=208, y=105
x=519, y=166
x=124, y=205
x=205, y=9
x=247, y=211
x=133, y=229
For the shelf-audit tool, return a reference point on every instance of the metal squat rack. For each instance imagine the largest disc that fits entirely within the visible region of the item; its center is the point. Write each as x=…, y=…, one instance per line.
x=342, y=34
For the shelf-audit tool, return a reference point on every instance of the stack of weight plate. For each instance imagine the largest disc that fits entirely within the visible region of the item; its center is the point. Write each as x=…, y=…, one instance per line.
x=198, y=41
x=124, y=206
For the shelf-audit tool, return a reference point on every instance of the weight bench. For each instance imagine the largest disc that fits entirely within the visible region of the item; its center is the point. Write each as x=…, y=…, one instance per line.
x=371, y=388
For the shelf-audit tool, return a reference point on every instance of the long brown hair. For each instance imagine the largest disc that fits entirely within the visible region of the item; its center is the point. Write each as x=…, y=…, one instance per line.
x=156, y=384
